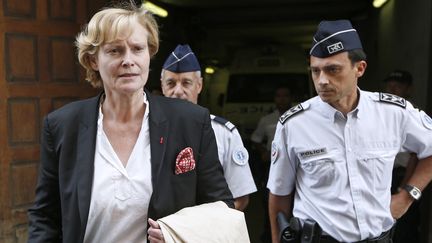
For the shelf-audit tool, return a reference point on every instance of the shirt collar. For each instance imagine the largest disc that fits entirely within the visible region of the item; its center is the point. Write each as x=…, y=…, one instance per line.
x=147, y=107
x=331, y=113
x=361, y=104
x=327, y=110
x=146, y=112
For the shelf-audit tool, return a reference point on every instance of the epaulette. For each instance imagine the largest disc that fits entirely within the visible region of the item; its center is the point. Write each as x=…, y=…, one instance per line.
x=291, y=112
x=223, y=121
x=392, y=99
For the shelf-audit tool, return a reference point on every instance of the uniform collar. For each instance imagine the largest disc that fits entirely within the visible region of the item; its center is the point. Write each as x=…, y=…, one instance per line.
x=331, y=113
x=327, y=110
x=361, y=109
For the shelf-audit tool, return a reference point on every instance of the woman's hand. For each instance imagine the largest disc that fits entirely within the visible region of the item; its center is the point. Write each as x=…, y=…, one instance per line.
x=154, y=232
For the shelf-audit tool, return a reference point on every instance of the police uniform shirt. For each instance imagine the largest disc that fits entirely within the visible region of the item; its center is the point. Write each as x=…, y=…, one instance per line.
x=234, y=158
x=341, y=168
x=266, y=129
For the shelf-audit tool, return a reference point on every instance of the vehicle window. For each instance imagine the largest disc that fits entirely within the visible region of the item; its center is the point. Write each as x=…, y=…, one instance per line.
x=250, y=88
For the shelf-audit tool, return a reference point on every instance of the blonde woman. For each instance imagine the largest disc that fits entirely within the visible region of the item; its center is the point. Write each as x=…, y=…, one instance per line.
x=112, y=164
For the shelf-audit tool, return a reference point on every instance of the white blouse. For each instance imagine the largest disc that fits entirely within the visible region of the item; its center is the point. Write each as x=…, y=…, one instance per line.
x=120, y=195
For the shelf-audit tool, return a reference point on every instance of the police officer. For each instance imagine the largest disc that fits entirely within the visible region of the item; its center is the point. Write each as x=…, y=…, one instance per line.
x=333, y=154
x=181, y=78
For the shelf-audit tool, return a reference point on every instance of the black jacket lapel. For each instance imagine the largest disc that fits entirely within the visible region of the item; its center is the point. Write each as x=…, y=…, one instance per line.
x=86, y=145
x=158, y=126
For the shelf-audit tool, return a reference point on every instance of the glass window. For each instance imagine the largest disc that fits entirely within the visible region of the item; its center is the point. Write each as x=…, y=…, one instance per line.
x=251, y=88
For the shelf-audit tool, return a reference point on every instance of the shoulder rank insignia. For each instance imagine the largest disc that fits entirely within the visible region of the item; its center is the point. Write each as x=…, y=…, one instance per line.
x=392, y=99
x=291, y=112
x=223, y=121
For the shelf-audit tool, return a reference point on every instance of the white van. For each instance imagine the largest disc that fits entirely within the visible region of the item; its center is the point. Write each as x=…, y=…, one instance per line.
x=243, y=93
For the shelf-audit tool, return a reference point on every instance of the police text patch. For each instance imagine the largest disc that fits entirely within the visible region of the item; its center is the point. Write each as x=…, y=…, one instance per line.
x=312, y=153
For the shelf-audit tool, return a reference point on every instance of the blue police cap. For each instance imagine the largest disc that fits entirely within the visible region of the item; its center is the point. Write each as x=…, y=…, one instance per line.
x=333, y=37
x=182, y=60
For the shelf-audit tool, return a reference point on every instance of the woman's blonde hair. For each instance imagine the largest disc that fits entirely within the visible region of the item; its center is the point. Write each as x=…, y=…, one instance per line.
x=106, y=26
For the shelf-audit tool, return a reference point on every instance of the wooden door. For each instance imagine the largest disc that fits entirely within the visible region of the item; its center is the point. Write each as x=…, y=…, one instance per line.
x=39, y=72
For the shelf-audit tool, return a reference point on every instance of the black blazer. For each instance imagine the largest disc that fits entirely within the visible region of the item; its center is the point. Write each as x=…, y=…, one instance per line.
x=63, y=191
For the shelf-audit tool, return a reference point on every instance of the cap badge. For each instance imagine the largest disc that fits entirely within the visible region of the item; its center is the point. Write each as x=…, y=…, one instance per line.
x=335, y=47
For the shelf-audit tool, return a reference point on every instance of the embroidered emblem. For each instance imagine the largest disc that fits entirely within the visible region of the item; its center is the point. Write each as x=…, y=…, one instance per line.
x=312, y=153
x=274, y=152
x=289, y=113
x=392, y=99
x=240, y=156
x=335, y=47
x=427, y=120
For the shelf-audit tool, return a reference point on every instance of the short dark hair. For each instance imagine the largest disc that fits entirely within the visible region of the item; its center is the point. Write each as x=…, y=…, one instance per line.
x=356, y=55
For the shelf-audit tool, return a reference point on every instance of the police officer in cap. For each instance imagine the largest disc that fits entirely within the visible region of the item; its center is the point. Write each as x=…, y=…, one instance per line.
x=181, y=78
x=332, y=155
